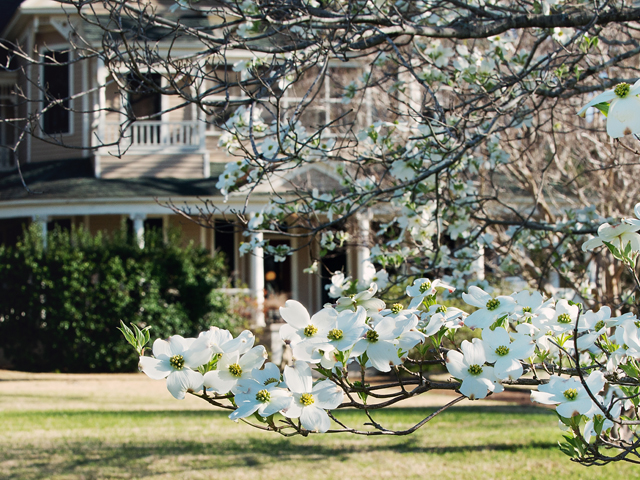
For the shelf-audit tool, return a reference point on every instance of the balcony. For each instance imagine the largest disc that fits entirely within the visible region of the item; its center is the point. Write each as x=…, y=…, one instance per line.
x=145, y=137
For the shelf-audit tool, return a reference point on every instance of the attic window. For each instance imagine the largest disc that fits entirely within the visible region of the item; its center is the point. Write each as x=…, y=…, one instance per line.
x=56, y=80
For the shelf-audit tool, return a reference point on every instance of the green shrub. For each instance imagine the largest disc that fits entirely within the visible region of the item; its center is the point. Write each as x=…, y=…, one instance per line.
x=59, y=307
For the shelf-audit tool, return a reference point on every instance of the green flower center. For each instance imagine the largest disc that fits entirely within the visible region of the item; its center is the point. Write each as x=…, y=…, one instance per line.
x=570, y=394
x=622, y=90
x=526, y=310
x=310, y=330
x=235, y=369
x=425, y=286
x=637, y=323
x=493, y=304
x=475, y=370
x=564, y=318
x=395, y=308
x=441, y=309
x=263, y=396
x=306, y=399
x=177, y=362
x=599, y=325
x=598, y=418
x=372, y=336
x=335, y=334
x=271, y=380
x=502, y=350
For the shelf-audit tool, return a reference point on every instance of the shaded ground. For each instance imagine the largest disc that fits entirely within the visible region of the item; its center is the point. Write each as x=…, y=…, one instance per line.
x=129, y=427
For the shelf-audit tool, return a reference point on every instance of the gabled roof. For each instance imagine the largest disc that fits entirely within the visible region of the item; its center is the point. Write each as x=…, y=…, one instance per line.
x=74, y=179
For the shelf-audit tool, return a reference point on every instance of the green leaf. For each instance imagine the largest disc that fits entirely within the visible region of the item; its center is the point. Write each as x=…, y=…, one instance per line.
x=603, y=107
x=614, y=250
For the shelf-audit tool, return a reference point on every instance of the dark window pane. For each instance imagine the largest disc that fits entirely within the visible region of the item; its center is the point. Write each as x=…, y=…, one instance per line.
x=277, y=275
x=143, y=100
x=56, y=84
x=225, y=243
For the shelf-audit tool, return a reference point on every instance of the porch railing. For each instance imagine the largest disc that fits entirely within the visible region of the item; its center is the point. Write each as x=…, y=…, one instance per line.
x=157, y=136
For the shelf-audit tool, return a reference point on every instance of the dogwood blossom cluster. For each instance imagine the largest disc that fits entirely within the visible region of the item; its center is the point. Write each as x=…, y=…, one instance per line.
x=582, y=362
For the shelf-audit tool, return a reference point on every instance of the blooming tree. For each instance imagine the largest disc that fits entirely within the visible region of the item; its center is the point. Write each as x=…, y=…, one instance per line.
x=455, y=124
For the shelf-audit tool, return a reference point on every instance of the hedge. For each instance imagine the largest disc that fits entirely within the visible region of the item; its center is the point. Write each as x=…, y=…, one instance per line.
x=59, y=307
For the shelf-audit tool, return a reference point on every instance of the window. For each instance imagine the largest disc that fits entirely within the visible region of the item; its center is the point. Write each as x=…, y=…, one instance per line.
x=223, y=85
x=226, y=244
x=145, y=102
x=56, y=79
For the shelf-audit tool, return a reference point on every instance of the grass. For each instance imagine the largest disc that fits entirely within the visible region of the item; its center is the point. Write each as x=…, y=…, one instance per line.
x=128, y=427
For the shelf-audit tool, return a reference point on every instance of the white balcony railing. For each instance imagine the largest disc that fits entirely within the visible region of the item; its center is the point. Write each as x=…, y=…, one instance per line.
x=157, y=136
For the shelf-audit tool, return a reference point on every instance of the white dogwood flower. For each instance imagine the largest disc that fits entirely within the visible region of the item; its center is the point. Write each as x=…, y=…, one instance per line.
x=221, y=341
x=423, y=288
x=379, y=343
x=491, y=309
x=300, y=326
x=506, y=353
x=617, y=235
x=624, y=106
x=176, y=360
x=253, y=396
x=232, y=367
x=564, y=318
x=530, y=304
x=469, y=366
x=441, y=316
x=569, y=394
x=344, y=332
x=310, y=402
x=364, y=299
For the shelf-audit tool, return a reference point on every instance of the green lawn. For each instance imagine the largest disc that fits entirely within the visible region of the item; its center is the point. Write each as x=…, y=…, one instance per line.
x=43, y=439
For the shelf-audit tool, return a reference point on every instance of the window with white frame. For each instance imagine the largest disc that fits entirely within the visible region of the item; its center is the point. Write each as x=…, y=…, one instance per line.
x=323, y=99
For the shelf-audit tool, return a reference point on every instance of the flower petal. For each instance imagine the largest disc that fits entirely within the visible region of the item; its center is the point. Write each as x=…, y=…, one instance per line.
x=295, y=314
x=254, y=358
x=298, y=377
x=161, y=349
x=624, y=117
x=327, y=395
x=155, y=368
x=605, y=96
x=182, y=381
x=315, y=419
x=244, y=410
x=219, y=381
x=455, y=364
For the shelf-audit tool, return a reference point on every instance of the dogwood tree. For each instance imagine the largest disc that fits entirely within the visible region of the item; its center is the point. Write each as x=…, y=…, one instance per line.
x=458, y=124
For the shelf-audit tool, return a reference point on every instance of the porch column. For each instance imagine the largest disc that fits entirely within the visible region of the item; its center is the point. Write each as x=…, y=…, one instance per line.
x=256, y=279
x=138, y=227
x=363, y=225
x=99, y=127
x=41, y=221
x=477, y=266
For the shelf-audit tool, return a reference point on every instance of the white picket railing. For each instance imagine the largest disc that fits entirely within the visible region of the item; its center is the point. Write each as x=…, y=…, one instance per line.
x=156, y=136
